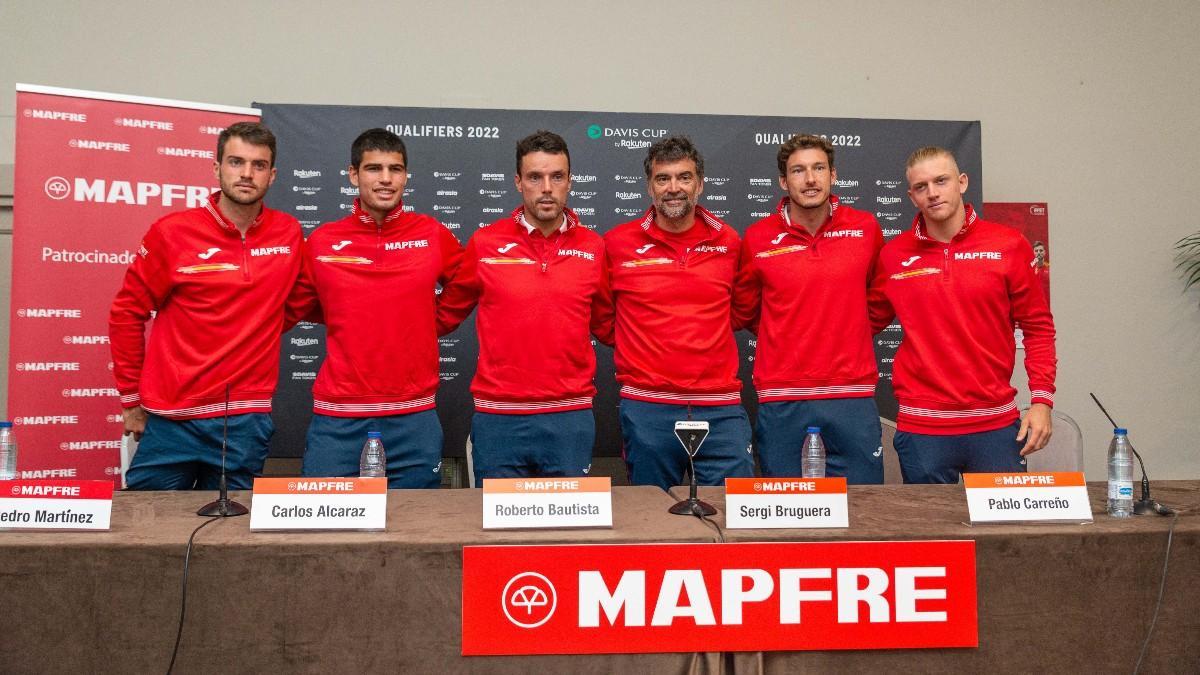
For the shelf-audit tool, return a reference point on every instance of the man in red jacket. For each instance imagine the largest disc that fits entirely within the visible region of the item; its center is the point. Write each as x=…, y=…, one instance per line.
x=672, y=274
x=958, y=284
x=217, y=276
x=539, y=280
x=804, y=275
x=372, y=278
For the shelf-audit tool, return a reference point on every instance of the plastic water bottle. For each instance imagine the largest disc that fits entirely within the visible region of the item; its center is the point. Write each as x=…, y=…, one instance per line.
x=1120, y=475
x=373, y=461
x=8, y=452
x=812, y=462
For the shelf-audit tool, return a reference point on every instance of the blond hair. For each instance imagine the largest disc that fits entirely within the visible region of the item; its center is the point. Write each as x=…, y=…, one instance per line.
x=929, y=152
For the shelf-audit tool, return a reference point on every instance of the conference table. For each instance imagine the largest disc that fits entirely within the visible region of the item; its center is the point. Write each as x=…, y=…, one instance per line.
x=1051, y=597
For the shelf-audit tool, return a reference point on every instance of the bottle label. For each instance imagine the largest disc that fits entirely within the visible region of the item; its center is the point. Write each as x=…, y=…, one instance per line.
x=1120, y=489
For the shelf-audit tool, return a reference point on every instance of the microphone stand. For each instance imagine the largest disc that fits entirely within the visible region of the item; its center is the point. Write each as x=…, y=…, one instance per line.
x=223, y=507
x=692, y=506
x=1145, y=505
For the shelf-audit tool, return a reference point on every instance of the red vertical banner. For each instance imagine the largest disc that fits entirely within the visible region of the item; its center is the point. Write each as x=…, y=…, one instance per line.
x=92, y=172
x=1033, y=221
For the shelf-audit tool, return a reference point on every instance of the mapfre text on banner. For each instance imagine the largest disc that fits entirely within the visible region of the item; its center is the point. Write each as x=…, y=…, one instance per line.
x=718, y=597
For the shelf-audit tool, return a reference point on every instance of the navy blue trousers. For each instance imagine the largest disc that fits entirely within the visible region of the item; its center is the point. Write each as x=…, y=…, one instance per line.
x=544, y=444
x=413, y=443
x=942, y=459
x=849, y=426
x=655, y=456
x=186, y=454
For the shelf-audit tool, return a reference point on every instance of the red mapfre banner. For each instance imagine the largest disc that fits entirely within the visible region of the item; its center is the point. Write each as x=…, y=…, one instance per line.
x=718, y=597
x=1033, y=221
x=93, y=171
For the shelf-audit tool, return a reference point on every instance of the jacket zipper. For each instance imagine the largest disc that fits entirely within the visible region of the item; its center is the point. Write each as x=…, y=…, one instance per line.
x=245, y=260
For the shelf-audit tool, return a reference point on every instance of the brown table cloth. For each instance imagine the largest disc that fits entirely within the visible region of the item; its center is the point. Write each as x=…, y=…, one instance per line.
x=1058, y=598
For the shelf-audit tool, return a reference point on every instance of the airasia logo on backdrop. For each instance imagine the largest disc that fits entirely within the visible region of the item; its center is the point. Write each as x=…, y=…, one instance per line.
x=529, y=600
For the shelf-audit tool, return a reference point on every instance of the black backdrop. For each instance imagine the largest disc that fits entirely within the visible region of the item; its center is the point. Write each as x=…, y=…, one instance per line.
x=461, y=164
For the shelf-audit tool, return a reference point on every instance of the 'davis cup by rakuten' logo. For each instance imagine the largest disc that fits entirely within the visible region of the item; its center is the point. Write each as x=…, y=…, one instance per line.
x=595, y=131
x=529, y=600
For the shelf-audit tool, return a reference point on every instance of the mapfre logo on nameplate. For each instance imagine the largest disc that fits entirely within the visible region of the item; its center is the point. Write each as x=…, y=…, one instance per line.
x=520, y=503
x=55, y=504
x=638, y=598
x=319, y=504
x=786, y=502
x=1023, y=497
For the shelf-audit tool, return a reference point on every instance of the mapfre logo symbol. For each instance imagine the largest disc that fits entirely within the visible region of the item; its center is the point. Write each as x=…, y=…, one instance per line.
x=57, y=187
x=529, y=600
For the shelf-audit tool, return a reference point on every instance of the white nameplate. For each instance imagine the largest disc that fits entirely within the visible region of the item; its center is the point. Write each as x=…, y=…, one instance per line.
x=55, y=504
x=752, y=503
x=1024, y=497
x=520, y=503
x=319, y=504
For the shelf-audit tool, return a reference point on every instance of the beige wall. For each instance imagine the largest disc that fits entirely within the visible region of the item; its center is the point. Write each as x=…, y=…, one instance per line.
x=1090, y=106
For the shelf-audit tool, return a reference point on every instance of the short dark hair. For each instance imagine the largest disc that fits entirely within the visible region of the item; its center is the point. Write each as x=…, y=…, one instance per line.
x=376, y=139
x=802, y=142
x=673, y=149
x=542, y=141
x=254, y=133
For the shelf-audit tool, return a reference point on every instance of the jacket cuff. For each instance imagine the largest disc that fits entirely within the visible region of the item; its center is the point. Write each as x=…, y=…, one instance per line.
x=1042, y=395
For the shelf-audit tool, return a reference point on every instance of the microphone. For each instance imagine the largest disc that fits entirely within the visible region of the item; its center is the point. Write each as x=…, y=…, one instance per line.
x=223, y=507
x=1144, y=505
x=692, y=434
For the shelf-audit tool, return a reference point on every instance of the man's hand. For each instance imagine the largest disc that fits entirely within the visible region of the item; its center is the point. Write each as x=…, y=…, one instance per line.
x=135, y=421
x=1036, y=428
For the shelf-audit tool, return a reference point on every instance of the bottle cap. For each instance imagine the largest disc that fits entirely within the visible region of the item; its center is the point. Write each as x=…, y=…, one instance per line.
x=5, y=425
x=813, y=430
x=1120, y=431
x=374, y=434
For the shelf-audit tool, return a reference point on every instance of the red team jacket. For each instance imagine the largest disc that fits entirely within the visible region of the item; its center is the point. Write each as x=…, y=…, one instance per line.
x=958, y=303
x=219, y=299
x=539, y=298
x=814, y=335
x=377, y=290
x=673, y=329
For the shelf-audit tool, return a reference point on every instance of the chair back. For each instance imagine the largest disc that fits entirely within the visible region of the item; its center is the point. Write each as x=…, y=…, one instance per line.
x=1064, y=452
